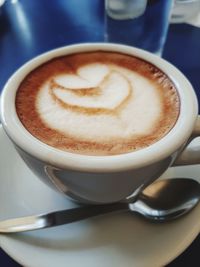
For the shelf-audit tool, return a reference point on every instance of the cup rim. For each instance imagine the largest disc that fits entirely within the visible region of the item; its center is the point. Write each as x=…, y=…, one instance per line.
x=161, y=149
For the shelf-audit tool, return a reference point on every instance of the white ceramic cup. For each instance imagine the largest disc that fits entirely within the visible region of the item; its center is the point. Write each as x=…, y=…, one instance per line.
x=104, y=179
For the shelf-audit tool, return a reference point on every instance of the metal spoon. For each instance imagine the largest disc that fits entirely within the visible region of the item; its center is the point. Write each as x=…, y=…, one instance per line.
x=161, y=201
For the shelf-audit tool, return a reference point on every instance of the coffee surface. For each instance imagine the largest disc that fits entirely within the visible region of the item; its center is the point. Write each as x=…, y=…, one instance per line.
x=97, y=103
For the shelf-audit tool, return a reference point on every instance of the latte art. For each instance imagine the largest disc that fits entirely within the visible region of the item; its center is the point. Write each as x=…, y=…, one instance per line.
x=97, y=103
x=107, y=108
x=106, y=94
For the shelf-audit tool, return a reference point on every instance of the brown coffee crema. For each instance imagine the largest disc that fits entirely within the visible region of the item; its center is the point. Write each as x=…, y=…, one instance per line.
x=98, y=103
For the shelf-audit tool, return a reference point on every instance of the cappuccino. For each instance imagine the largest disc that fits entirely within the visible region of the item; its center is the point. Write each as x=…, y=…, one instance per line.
x=97, y=103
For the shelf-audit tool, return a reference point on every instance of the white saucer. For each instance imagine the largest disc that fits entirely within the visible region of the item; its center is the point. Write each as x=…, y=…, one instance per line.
x=111, y=240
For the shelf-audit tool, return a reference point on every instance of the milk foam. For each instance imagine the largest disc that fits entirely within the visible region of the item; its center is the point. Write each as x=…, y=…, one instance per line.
x=100, y=102
x=97, y=103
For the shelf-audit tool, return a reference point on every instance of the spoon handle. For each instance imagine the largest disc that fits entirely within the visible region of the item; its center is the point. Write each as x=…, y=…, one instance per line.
x=51, y=219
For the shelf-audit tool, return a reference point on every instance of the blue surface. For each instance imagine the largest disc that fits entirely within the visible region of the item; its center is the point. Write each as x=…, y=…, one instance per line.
x=182, y=49
x=31, y=27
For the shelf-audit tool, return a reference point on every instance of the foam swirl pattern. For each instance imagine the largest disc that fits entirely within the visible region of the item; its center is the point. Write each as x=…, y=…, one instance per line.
x=98, y=103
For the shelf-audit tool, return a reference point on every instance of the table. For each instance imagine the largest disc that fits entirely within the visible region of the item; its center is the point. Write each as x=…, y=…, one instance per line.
x=28, y=28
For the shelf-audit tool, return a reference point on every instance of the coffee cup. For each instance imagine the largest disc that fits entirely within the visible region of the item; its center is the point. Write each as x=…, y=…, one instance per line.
x=96, y=177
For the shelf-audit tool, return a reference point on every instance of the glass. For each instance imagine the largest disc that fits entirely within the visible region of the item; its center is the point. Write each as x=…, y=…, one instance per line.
x=138, y=23
x=184, y=10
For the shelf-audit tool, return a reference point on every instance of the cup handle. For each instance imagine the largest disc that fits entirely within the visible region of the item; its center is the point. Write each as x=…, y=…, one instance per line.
x=191, y=154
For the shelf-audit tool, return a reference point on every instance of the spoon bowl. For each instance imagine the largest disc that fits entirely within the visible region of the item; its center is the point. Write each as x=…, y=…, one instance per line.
x=167, y=199
x=161, y=201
